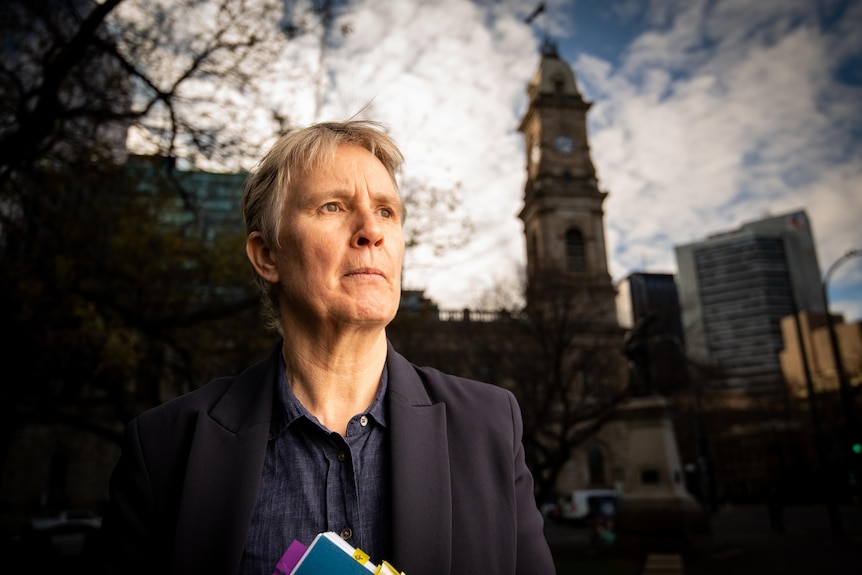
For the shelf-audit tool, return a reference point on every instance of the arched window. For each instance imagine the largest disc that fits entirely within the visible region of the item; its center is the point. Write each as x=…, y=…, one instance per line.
x=559, y=85
x=596, y=466
x=576, y=260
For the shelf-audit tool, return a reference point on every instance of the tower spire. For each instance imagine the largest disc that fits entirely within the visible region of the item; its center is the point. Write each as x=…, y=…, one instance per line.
x=549, y=47
x=547, y=43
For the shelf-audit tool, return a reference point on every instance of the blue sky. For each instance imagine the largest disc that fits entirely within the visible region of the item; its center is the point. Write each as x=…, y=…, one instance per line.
x=706, y=114
x=710, y=114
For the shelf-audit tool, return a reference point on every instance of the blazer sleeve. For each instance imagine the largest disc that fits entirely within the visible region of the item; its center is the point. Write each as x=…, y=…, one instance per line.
x=163, y=478
x=127, y=539
x=533, y=555
x=462, y=485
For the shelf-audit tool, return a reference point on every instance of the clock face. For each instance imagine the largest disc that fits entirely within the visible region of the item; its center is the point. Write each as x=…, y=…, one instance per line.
x=564, y=144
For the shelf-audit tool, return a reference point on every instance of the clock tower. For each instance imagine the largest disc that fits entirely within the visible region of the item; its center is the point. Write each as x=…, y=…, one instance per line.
x=562, y=213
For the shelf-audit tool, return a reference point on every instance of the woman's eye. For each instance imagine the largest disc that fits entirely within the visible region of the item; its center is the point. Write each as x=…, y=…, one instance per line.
x=386, y=212
x=330, y=208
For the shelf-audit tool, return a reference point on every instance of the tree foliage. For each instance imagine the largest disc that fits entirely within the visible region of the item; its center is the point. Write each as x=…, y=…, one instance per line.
x=188, y=78
x=109, y=304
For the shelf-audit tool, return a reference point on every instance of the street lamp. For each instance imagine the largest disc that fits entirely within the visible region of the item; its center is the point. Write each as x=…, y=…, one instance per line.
x=843, y=384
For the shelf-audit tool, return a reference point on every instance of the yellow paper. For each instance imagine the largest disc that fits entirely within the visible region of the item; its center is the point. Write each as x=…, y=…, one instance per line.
x=361, y=556
x=386, y=569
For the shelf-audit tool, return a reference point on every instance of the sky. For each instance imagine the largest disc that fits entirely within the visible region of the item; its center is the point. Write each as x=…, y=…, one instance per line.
x=705, y=115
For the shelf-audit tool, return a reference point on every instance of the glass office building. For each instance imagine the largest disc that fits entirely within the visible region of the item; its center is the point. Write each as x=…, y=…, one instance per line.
x=735, y=288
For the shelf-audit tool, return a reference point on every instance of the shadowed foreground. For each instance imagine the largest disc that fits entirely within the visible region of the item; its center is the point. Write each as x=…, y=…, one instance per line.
x=743, y=543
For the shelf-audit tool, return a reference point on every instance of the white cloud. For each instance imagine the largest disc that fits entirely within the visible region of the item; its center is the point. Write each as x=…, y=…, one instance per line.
x=718, y=113
x=448, y=78
x=691, y=138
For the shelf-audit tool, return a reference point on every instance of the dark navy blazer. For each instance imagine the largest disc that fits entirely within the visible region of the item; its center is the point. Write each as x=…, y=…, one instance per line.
x=184, y=489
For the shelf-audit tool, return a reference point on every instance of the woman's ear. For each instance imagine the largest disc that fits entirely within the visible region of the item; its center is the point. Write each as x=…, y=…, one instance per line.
x=261, y=257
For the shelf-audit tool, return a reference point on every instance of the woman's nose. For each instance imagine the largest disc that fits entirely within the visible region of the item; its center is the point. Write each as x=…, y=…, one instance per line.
x=369, y=232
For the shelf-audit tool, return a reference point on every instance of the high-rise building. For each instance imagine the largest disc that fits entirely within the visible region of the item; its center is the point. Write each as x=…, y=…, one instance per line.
x=640, y=294
x=648, y=305
x=734, y=289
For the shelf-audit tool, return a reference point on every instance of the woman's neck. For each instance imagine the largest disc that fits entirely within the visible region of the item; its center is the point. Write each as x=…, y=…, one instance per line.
x=335, y=378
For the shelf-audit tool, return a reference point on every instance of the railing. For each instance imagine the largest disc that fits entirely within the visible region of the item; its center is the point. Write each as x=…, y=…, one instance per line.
x=472, y=315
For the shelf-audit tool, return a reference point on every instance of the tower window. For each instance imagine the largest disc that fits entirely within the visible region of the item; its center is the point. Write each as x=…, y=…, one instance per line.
x=533, y=249
x=576, y=261
x=559, y=85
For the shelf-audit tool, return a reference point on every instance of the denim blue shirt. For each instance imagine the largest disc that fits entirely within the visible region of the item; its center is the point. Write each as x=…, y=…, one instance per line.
x=314, y=480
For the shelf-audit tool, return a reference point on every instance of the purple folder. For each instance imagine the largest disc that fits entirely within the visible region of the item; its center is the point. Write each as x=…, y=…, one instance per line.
x=290, y=558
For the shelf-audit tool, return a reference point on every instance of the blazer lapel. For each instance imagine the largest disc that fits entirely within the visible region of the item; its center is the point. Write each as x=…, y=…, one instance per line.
x=225, y=465
x=421, y=489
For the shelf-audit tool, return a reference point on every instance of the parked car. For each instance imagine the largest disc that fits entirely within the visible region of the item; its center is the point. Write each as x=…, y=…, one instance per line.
x=585, y=504
x=68, y=518
x=66, y=533
x=550, y=510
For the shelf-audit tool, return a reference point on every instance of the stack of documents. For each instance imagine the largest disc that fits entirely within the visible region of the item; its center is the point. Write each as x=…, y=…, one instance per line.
x=329, y=553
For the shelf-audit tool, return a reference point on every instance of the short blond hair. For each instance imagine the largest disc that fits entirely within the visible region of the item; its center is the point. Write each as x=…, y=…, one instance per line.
x=292, y=156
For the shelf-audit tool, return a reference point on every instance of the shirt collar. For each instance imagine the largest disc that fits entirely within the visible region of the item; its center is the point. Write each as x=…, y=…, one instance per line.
x=290, y=409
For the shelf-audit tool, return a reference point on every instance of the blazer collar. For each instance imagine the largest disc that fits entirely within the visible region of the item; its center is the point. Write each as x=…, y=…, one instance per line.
x=248, y=401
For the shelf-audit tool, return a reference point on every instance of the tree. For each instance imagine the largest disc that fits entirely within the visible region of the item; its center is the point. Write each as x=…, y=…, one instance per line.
x=178, y=74
x=109, y=306
x=106, y=304
x=566, y=369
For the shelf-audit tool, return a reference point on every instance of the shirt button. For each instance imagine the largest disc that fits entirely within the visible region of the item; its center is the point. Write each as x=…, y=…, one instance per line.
x=363, y=421
x=342, y=456
x=346, y=533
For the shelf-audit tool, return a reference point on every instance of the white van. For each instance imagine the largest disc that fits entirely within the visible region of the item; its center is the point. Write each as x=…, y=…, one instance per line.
x=584, y=504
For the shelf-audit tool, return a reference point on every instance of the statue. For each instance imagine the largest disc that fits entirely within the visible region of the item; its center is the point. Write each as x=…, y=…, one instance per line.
x=636, y=348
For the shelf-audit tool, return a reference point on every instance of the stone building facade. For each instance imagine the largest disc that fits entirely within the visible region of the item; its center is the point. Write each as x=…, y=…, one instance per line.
x=818, y=353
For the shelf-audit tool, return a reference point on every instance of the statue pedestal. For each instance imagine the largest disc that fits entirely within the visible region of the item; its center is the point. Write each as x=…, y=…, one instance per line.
x=656, y=512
